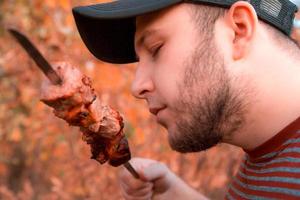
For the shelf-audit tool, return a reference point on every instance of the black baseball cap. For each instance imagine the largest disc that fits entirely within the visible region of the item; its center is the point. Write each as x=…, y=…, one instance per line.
x=108, y=29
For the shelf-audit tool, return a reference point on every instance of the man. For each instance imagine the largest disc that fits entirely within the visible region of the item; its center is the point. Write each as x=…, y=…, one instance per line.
x=211, y=71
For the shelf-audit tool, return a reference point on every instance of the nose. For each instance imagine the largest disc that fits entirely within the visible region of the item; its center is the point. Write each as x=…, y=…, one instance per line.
x=142, y=83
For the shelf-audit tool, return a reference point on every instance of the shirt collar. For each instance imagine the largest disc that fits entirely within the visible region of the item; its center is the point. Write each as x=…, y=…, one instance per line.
x=276, y=141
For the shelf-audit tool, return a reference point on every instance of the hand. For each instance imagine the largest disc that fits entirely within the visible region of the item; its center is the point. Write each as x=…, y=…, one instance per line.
x=156, y=182
x=154, y=179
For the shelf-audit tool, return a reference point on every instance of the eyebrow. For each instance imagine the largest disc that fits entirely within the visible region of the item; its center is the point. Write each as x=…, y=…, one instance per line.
x=141, y=40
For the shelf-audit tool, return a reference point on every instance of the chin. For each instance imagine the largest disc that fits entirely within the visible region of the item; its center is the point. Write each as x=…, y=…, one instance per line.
x=176, y=143
x=191, y=142
x=178, y=147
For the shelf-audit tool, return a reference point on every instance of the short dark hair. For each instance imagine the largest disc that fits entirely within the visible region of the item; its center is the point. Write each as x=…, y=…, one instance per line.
x=205, y=16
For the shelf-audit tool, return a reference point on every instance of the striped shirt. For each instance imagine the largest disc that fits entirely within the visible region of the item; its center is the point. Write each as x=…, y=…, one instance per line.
x=272, y=170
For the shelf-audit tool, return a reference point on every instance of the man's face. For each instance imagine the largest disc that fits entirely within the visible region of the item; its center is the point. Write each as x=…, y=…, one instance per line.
x=182, y=77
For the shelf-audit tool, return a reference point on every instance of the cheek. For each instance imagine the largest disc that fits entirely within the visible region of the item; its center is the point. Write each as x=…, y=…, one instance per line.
x=170, y=69
x=167, y=78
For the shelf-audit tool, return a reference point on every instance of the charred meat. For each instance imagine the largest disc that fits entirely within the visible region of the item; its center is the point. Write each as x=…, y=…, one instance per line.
x=76, y=102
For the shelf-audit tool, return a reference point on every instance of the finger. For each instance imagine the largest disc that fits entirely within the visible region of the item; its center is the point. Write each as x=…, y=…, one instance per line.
x=135, y=185
x=131, y=182
x=144, y=192
x=132, y=197
x=139, y=165
x=141, y=191
x=141, y=162
x=155, y=171
x=159, y=175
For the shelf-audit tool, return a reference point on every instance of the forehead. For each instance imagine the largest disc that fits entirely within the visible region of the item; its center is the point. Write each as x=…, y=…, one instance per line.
x=162, y=20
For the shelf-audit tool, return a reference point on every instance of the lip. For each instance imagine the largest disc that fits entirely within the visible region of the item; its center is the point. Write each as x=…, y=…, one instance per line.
x=155, y=111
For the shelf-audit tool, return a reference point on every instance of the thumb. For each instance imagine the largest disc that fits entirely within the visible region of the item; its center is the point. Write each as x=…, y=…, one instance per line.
x=157, y=173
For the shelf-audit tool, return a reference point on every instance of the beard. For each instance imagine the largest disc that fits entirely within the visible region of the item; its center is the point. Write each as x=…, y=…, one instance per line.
x=212, y=111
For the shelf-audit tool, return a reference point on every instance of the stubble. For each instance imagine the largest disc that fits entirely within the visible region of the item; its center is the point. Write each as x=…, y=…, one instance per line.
x=211, y=109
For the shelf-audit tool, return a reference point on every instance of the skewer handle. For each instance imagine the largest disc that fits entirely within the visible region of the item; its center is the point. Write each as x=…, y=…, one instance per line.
x=129, y=167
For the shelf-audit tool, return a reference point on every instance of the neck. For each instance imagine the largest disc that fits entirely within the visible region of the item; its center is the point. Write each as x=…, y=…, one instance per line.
x=276, y=101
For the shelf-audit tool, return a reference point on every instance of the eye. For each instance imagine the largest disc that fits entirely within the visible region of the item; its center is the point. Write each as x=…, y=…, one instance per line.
x=155, y=50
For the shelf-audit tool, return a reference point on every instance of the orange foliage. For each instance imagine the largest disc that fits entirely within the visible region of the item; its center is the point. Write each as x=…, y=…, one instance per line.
x=43, y=158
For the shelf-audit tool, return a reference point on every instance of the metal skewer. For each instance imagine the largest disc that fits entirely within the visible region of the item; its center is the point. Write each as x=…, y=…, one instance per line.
x=38, y=58
x=129, y=167
x=47, y=69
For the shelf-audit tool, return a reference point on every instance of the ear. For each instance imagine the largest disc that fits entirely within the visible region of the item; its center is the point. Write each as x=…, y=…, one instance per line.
x=242, y=20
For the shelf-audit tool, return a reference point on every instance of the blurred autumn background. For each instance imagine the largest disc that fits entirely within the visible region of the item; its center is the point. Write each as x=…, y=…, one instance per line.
x=41, y=157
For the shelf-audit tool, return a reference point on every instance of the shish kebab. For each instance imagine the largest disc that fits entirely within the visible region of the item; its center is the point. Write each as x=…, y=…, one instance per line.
x=71, y=95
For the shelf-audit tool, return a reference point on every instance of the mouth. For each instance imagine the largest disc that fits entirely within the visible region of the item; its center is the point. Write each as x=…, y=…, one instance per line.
x=156, y=110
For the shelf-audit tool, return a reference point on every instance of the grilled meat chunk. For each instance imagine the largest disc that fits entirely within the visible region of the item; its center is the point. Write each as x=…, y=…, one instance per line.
x=76, y=102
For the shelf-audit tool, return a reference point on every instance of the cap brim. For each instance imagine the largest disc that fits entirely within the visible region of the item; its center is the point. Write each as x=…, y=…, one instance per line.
x=108, y=29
